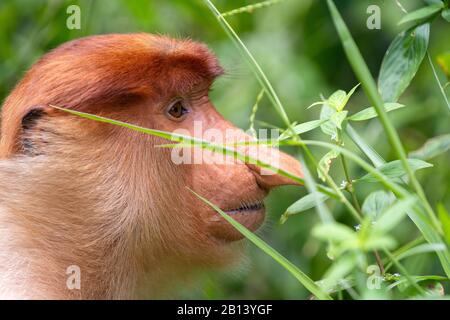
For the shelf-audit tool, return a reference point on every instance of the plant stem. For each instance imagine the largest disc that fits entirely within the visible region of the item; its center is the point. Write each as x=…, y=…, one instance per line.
x=349, y=186
x=356, y=204
x=379, y=261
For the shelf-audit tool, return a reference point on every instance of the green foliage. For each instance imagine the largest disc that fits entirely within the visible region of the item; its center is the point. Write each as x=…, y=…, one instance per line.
x=358, y=222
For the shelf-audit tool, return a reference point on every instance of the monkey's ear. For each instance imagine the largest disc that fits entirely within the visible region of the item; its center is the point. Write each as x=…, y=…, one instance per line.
x=29, y=143
x=33, y=115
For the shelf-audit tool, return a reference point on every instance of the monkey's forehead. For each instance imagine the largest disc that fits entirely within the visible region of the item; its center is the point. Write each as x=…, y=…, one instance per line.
x=104, y=65
x=143, y=49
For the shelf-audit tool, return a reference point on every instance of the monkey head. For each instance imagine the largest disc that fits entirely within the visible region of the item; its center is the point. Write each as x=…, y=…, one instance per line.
x=92, y=184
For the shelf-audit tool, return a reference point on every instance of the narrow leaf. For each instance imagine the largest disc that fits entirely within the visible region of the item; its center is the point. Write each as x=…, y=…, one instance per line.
x=301, y=128
x=328, y=127
x=444, y=218
x=347, y=97
x=307, y=202
x=392, y=216
x=432, y=148
x=185, y=141
x=422, y=13
x=370, y=112
x=395, y=169
x=423, y=248
x=401, y=62
x=334, y=231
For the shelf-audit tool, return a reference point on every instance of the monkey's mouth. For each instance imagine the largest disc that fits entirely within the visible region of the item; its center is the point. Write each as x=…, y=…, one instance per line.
x=249, y=214
x=247, y=208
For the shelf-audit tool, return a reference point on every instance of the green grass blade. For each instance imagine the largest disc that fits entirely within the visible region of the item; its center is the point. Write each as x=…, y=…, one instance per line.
x=369, y=152
x=187, y=141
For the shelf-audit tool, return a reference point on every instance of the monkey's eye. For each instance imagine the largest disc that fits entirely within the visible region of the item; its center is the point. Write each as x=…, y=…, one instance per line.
x=177, y=110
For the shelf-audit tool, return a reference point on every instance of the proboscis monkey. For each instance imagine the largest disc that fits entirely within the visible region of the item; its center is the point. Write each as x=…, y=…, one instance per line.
x=76, y=192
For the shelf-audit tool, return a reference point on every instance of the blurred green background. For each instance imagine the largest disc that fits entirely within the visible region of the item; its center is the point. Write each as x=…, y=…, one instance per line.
x=296, y=44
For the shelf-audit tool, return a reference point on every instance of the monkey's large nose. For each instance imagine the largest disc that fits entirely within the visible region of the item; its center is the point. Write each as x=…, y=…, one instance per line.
x=269, y=155
x=274, y=157
x=277, y=159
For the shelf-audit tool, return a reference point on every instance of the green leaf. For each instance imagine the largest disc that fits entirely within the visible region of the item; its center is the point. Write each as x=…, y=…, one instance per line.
x=336, y=232
x=446, y=14
x=338, y=118
x=392, y=216
x=416, y=279
x=432, y=148
x=395, y=169
x=422, y=13
x=366, y=148
x=444, y=218
x=325, y=163
x=423, y=248
x=401, y=62
x=347, y=97
x=289, y=266
x=328, y=127
x=337, y=99
x=318, y=103
x=377, y=202
x=370, y=112
x=303, y=204
x=301, y=128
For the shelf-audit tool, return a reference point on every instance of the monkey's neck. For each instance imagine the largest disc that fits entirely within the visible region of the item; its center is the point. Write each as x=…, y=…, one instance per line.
x=49, y=232
x=37, y=266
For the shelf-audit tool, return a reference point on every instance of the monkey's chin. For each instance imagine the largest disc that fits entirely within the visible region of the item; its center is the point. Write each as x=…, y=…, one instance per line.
x=250, y=217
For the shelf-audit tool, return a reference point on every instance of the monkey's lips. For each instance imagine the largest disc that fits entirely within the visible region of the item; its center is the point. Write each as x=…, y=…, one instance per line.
x=250, y=215
x=247, y=209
